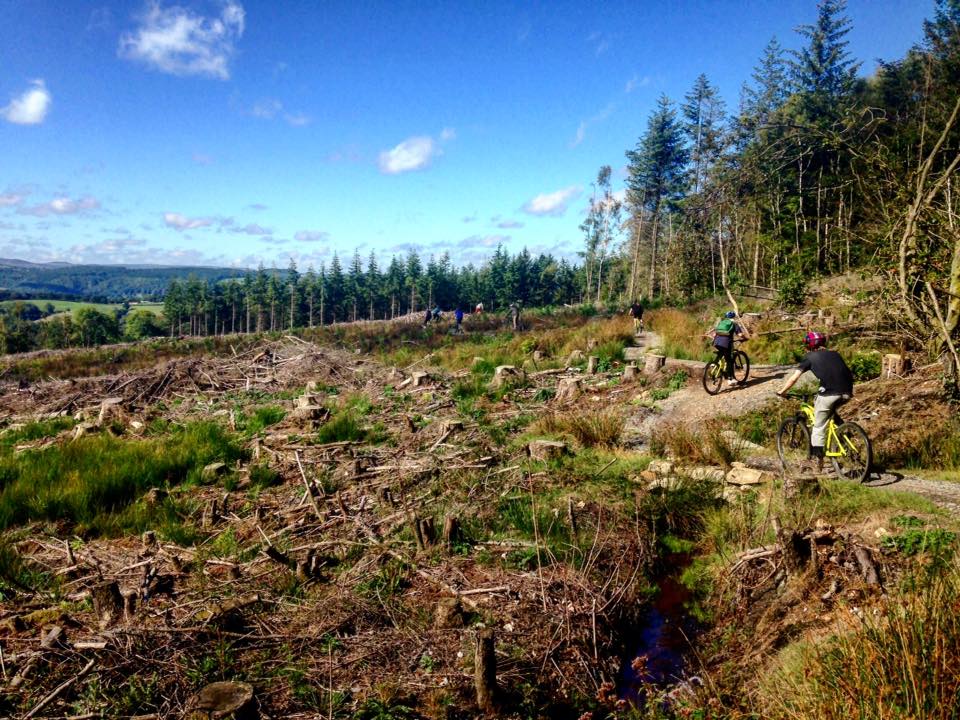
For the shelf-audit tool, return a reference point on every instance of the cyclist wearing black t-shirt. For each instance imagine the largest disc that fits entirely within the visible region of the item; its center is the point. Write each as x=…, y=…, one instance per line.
x=636, y=312
x=836, y=386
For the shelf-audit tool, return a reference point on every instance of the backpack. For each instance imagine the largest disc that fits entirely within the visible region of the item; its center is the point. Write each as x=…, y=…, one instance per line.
x=725, y=327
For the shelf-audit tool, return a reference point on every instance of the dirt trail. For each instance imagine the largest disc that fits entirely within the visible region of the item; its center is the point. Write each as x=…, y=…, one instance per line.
x=692, y=406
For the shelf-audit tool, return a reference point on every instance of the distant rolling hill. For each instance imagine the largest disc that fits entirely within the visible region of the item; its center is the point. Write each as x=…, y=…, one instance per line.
x=21, y=278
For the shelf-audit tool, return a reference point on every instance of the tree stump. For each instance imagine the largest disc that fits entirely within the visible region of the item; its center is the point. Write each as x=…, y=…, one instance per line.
x=575, y=358
x=654, y=363
x=568, y=390
x=451, y=531
x=592, y=363
x=107, y=602
x=221, y=699
x=546, y=449
x=894, y=366
x=537, y=356
x=449, y=614
x=630, y=373
x=420, y=378
x=485, y=671
x=506, y=375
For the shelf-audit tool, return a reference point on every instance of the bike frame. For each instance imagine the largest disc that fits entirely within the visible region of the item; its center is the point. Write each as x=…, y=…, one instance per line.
x=833, y=440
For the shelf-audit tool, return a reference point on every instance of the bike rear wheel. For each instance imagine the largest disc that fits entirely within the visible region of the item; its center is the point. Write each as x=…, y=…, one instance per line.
x=741, y=366
x=713, y=377
x=793, y=443
x=855, y=464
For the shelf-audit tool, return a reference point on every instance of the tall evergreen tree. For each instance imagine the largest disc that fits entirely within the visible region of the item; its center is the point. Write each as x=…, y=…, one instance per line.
x=656, y=173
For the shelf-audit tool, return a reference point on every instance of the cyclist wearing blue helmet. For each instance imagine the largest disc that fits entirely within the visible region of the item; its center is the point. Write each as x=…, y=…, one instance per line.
x=723, y=334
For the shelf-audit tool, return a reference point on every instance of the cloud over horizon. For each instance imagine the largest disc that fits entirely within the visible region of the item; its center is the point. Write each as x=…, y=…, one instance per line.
x=177, y=41
x=62, y=206
x=552, y=204
x=414, y=153
x=31, y=107
x=180, y=222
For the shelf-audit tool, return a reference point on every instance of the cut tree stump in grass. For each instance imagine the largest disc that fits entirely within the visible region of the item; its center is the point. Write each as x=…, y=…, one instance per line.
x=568, y=390
x=593, y=363
x=576, y=357
x=507, y=374
x=546, y=449
x=485, y=671
x=654, y=363
x=630, y=373
x=221, y=699
x=894, y=366
x=107, y=602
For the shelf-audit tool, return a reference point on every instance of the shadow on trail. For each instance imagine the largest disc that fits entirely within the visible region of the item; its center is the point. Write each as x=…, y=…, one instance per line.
x=882, y=478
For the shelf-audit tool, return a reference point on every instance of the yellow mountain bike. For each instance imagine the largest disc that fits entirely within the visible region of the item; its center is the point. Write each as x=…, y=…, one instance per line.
x=847, y=445
x=716, y=370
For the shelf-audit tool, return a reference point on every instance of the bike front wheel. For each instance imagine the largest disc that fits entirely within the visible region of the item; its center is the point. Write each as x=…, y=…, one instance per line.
x=793, y=443
x=741, y=366
x=713, y=377
x=855, y=453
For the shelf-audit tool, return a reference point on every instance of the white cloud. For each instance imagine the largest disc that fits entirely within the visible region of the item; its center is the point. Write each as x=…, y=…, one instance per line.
x=309, y=236
x=593, y=120
x=448, y=134
x=297, y=119
x=635, y=82
x=412, y=154
x=180, y=222
x=553, y=204
x=509, y=224
x=483, y=241
x=62, y=206
x=177, y=41
x=253, y=229
x=30, y=108
x=266, y=109
x=10, y=199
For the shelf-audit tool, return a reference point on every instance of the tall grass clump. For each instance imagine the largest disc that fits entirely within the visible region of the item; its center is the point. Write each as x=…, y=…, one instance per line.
x=681, y=332
x=86, y=481
x=590, y=429
x=898, y=663
x=706, y=447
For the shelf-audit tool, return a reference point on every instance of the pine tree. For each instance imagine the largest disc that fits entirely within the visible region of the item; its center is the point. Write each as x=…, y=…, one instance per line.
x=823, y=73
x=656, y=173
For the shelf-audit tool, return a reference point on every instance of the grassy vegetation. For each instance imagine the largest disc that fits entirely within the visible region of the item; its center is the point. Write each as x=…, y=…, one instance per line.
x=601, y=428
x=900, y=662
x=91, y=481
x=71, y=305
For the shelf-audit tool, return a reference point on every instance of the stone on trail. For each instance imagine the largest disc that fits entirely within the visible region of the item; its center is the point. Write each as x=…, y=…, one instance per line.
x=746, y=476
x=704, y=472
x=660, y=467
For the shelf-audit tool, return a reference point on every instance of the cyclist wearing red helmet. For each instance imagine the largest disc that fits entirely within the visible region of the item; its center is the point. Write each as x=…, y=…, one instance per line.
x=836, y=386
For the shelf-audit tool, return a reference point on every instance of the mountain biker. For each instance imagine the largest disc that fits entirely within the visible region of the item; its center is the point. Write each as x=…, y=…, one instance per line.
x=636, y=312
x=836, y=387
x=427, y=317
x=458, y=317
x=515, y=307
x=436, y=313
x=723, y=334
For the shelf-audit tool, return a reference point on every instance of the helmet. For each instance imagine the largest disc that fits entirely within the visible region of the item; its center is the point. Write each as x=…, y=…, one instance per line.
x=814, y=340
x=730, y=315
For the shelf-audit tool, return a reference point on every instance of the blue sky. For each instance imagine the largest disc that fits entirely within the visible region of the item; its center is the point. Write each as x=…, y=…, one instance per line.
x=234, y=132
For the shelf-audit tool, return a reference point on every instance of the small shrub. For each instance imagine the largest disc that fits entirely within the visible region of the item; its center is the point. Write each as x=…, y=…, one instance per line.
x=865, y=365
x=262, y=418
x=708, y=447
